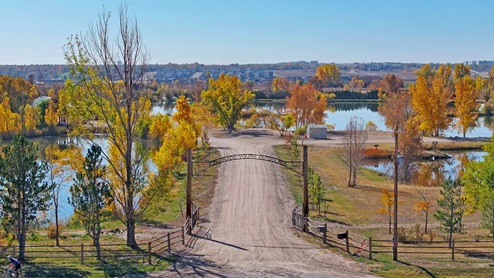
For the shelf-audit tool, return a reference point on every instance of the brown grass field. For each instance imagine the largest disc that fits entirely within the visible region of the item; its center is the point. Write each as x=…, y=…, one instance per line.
x=356, y=209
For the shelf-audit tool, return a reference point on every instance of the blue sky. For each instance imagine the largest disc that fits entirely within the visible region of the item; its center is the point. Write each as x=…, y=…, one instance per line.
x=262, y=31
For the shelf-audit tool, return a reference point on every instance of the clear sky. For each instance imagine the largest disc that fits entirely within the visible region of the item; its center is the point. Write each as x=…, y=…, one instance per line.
x=262, y=31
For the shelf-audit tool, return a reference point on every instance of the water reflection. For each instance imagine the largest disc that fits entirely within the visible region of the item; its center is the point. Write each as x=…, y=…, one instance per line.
x=427, y=173
x=339, y=113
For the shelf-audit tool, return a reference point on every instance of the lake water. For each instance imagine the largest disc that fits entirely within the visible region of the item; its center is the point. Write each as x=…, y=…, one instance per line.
x=338, y=114
x=431, y=172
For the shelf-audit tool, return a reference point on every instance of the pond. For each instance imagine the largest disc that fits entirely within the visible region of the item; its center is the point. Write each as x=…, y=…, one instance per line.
x=339, y=113
x=427, y=172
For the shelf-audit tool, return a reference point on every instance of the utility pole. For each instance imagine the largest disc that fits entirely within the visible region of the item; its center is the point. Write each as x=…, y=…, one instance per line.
x=395, y=190
x=305, y=209
x=189, y=184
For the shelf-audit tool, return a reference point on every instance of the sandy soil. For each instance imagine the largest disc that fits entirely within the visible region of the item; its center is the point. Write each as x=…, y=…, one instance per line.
x=249, y=233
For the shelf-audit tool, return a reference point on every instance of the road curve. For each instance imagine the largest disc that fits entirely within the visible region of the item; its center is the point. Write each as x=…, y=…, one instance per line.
x=249, y=231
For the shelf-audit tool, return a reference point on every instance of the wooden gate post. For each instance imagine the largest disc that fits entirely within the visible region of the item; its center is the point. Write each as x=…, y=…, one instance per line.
x=82, y=253
x=325, y=233
x=347, y=244
x=453, y=250
x=370, y=248
x=189, y=184
x=305, y=209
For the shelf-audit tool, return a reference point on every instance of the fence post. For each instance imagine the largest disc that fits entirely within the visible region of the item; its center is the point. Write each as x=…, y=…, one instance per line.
x=13, y=250
x=325, y=233
x=82, y=253
x=347, y=245
x=453, y=250
x=169, y=244
x=370, y=248
x=149, y=252
x=183, y=235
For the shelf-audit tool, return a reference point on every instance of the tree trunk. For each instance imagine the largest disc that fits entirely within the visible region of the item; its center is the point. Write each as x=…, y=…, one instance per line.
x=57, y=232
x=426, y=221
x=21, y=239
x=390, y=222
x=354, y=183
x=350, y=175
x=97, y=246
x=131, y=227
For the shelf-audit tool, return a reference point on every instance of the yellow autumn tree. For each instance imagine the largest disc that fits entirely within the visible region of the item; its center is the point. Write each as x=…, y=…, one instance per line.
x=9, y=121
x=31, y=118
x=328, y=74
x=176, y=141
x=59, y=164
x=466, y=106
x=387, y=202
x=159, y=126
x=51, y=114
x=430, y=97
x=183, y=111
x=227, y=96
x=111, y=93
x=306, y=105
x=425, y=206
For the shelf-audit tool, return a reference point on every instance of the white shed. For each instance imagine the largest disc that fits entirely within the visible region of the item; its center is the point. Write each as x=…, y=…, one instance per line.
x=317, y=131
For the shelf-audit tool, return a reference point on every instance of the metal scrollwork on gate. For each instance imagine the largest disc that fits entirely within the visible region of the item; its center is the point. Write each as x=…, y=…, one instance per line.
x=291, y=165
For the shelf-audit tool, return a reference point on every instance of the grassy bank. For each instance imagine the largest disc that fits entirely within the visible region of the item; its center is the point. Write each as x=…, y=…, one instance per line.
x=356, y=209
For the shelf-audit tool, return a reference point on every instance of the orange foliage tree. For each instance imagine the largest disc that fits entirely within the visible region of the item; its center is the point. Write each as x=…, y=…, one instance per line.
x=280, y=84
x=306, y=105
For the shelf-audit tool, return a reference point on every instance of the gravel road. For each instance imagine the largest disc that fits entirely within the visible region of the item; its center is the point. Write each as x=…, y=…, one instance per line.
x=249, y=231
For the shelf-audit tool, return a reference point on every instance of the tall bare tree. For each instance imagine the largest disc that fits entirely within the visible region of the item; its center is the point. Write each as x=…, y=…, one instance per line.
x=110, y=91
x=353, y=143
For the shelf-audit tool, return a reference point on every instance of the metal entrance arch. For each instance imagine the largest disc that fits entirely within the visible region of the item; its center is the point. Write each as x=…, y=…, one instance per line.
x=286, y=164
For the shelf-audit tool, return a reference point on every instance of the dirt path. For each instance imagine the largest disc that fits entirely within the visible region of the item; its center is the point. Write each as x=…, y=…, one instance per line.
x=249, y=233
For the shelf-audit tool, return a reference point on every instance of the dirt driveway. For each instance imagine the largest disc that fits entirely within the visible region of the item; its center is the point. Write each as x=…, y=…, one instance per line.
x=249, y=231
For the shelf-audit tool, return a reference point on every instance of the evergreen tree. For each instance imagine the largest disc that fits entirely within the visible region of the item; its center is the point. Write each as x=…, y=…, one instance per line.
x=24, y=192
x=90, y=194
x=451, y=207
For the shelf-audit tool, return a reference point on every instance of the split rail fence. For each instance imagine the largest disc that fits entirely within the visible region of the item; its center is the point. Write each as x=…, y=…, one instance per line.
x=86, y=253
x=353, y=243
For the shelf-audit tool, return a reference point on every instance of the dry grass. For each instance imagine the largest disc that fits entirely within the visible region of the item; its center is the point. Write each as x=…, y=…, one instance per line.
x=357, y=208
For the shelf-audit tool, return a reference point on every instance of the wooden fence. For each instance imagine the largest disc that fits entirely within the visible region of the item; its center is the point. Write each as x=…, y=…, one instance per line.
x=85, y=253
x=336, y=236
x=339, y=237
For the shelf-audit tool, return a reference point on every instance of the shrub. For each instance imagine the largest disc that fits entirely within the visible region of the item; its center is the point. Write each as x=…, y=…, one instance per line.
x=300, y=130
x=52, y=231
x=373, y=153
x=414, y=234
x=371, y=126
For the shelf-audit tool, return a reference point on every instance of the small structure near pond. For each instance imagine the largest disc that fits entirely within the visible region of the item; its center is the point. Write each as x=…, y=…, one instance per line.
x=317, y=131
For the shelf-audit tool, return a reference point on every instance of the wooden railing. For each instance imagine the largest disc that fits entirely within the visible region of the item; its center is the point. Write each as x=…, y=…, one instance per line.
x=84, y=253
x=336, y=236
